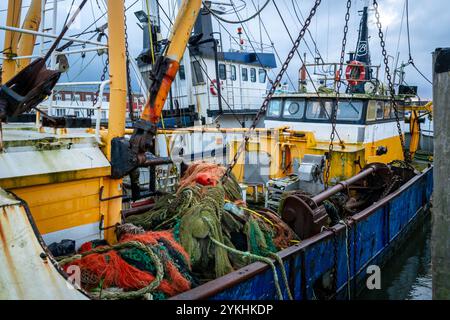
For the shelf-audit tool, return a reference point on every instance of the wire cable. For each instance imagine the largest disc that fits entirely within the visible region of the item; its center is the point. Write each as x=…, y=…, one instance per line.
x=239, y=21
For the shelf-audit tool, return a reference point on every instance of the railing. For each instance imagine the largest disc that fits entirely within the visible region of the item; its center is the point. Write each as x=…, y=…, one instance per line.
x=249, y=46
x=328, y=72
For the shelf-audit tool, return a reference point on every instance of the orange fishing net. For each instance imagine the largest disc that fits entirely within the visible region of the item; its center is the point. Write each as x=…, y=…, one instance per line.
x=111, y=270
x=202, y=173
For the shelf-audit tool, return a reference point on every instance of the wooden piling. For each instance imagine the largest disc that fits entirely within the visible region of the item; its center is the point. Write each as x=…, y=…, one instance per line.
x=440, y=243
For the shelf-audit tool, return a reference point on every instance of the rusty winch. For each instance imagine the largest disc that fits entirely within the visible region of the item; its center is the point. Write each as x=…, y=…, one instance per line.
x=307, y=214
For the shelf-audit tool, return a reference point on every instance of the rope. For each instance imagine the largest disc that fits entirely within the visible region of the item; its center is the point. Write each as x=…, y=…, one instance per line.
x=256, y=258
x=130, y=294
x=239, y=21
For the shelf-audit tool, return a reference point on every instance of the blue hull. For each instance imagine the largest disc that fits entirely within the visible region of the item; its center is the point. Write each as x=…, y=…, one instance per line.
x=373, y=237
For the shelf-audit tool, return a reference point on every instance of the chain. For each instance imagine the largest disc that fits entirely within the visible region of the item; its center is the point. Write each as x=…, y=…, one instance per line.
x=406, y=154
x=272, y=90
x=335, y=262
x=336, y=104
x=130, y=94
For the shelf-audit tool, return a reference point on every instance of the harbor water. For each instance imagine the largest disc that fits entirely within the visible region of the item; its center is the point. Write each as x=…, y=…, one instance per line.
x=407, y=276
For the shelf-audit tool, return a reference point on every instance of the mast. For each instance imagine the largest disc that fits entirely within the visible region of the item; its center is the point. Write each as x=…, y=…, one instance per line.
x=117, y=109
x=26, y=42
x=11, y=39
x=362, y=53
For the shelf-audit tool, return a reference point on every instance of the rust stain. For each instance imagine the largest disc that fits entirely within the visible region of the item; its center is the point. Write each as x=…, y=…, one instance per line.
x=9, y=261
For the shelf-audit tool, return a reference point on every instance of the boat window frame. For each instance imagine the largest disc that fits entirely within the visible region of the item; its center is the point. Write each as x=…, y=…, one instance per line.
x=222, y=71
x=244, y=74
x=262, y=75
x=253, y=75
x=280, y=116
x=286, y=106
x=361, y=117
x=384, y=120
x=317, y=120
x=233, y=73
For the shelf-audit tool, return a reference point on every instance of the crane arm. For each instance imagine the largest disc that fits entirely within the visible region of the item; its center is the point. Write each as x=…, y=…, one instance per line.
x=167, y=66
x=139, y=150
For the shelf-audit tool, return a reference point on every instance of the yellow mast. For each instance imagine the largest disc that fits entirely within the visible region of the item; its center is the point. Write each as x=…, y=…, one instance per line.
x=11, y=39
x=117, y=110
x=26, y=42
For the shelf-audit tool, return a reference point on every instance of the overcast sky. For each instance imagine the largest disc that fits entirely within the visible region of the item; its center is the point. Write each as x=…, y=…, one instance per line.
x=429, y=25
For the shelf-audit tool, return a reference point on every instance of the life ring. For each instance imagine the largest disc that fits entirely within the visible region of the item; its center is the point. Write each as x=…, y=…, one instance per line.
x=213, y=87
x=355, y=73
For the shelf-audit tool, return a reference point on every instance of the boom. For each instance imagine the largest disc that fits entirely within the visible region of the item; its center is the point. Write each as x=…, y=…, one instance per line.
x=168, y=65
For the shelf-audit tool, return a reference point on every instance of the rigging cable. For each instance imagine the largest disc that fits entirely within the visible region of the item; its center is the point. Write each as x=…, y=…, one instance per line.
x=307, y=72
x=271, y=92
x=239, y=21
x=273, y=46
x=316, y=49
x=249, y=41
x=411, y=60
x=203, y=70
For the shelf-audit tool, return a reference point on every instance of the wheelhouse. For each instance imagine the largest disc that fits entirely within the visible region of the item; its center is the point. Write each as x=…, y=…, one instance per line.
x=350, y=110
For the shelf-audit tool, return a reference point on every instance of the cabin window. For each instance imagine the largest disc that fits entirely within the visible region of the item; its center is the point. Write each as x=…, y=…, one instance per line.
x=252, y=74
x=88, y=97
x=244, y=74
x=274, y=108
x=350, y=110
x=233, y=73
x=262, y=76
x=222, y=72
x=371, y=111
x=67, y=97
x=294, y=109
x=387, y=110
x=182, y=72
x=380, y=110
x=317, y=110
x=197, y=75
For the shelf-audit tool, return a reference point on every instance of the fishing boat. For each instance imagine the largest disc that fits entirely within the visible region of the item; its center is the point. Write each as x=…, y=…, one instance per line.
x=302, y=209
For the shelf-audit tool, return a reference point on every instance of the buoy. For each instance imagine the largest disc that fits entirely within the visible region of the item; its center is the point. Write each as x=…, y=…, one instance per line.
x=355, y=73
x=213, y=87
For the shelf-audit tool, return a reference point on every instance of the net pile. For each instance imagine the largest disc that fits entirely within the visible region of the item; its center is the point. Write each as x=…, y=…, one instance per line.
x=141, y=263
x=201, y=232
x=207, y=209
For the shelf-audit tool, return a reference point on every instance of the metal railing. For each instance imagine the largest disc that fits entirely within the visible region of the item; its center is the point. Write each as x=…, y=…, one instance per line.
x=328, y=72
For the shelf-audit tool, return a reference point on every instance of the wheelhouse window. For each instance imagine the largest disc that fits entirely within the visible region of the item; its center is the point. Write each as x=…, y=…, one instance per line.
x=349, y=110
x=252, y=74
x=222, y=72
x=233, y=73
x=244, y=74
x=262, y=76
x=387, y=110
x=182, y=72
x=294, y=109
x=319, y=110
x=380, y=110
x=274, y=109
x=197, y=75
